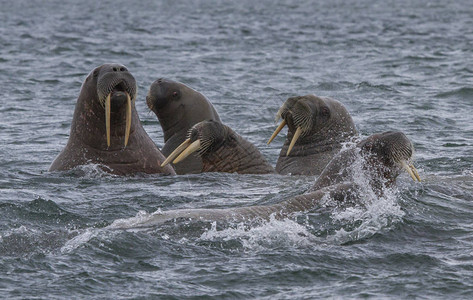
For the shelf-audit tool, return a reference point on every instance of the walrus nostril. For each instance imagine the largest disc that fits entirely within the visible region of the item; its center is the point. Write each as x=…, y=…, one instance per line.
x=160, y=80
x=119, y=69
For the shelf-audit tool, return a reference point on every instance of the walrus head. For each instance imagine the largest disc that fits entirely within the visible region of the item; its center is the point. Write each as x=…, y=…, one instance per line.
x=203, y=137
x=115, y=88
x=162, y=93
x=308, y=116
x=384, y=156
x=387, y=154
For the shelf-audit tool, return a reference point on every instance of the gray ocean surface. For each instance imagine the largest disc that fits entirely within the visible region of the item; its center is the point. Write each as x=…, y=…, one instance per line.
x=396, y=65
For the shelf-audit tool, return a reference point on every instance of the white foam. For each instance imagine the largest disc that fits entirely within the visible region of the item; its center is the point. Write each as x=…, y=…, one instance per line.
x=79, y=240
x=271, y=234
x=22, y=230
x=373, y=213
x=93, y=171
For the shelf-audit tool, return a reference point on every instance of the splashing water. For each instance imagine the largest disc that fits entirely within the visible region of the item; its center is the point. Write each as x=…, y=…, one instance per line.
x=272, y=234
x=349, y=222
x=91, y=171
x=371, y=214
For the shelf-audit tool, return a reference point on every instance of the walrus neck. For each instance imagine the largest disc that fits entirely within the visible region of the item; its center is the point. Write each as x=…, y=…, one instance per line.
x=325, y=139
x=88, y=123
x=312, y=145
x=236, y=155
x=173, y=123
x=310, y=156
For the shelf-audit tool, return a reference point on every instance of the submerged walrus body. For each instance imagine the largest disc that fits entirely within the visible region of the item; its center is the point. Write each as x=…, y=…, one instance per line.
x=382, y=156
x=221, y=150
x=318, y=126
x=106, y=129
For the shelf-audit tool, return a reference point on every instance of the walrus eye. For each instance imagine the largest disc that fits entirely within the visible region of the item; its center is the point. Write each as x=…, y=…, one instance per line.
x=325, y=111
x=175, y=94
x=96, y=73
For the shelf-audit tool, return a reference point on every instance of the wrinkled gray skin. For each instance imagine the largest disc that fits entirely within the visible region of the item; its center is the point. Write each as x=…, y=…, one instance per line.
x=381, y=154
x=223, y=150
x=178, y=108
x=87, y=142
x=328, y=125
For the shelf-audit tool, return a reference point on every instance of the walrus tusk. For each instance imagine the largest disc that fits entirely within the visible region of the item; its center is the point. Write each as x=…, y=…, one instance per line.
x=414, y=170
x=188, y=151
x=297, y=134
x=176, y=152
x=276, y=132
x=411, y=170
x=107, y=118
x=128, y=118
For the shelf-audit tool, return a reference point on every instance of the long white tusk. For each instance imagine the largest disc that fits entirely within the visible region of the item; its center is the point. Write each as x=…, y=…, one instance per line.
x=276, y=132
x=128, y=118
x=189, y=150
x=176, y=152
x=297, y=134
x=107, y=118
x=411, y=170
x=414, y=170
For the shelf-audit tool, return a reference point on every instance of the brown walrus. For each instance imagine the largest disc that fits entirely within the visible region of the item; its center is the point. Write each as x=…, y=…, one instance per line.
x=385, y=155
x=221, y=150
x=106, y=129
x=178, y=108
x=318, y=126
x=382, y=157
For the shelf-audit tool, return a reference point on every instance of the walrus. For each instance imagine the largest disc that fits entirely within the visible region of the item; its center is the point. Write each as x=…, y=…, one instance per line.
x=318, y=126
x=106, y=129
x=382, y=157
x=221, y=150
x=178, y=108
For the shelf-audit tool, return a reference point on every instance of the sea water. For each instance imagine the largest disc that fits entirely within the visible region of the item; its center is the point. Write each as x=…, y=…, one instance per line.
x=396, y=65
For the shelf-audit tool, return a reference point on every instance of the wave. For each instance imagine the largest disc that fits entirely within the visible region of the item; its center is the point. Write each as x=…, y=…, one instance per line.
x=25, y=241
x=460, y=93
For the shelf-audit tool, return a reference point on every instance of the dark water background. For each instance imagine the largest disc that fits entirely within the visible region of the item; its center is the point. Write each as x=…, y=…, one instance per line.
x=404, y=65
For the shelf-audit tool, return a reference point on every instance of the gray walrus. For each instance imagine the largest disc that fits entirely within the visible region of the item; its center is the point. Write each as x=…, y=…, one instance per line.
x=382, y=157
x=106, y=129
x=178, y=108
x=221, y=150
x=317, y=128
